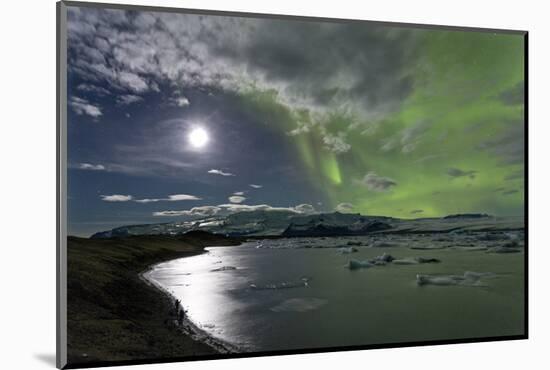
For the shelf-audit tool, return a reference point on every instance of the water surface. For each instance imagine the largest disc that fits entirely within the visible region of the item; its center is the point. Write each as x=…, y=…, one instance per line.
x=293, y=294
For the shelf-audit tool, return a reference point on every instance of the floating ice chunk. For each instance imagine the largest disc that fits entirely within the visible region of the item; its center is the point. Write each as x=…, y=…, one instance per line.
x=299, y=305
x=406, y=261
x=224, y=268
x=347, y=250
x=383, y=258
x=355, y=264
x=469, y=278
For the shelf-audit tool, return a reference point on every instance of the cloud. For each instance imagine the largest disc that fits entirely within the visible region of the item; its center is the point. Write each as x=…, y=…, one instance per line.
x=344, y=207
x=171, y=198
x=304, y=208
x=514, y=176
x=91, y=167
x=238, y=193
x=236, y=199
x=227, y=209
x=116, y=198
x=128, y=99
x=98, y=90
x=515, y=95
x=220, y=172
x=133, y=82
x=202, y=211
x=509, y=145
x=377, y=183
x=82, y=106
x=416, y=211
x=180, y=101
x=363, y=70
x=408, y=138
x=336, y=143
x=256, y=186
x=456, y=172
x=411, y=136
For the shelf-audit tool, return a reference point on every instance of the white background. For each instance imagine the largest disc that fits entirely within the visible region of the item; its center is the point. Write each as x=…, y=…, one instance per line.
x=27, y=197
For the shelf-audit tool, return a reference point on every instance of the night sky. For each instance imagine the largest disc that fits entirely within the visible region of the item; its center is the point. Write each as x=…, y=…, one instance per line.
x=175, y=117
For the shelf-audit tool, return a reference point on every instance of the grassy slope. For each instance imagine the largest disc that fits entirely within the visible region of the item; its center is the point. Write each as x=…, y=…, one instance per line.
x=112, y=314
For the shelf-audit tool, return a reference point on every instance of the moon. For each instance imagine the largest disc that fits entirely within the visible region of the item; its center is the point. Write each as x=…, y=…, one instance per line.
x=198, y=137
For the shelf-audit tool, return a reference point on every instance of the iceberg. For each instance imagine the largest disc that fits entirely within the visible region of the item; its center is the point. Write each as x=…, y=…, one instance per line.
x=469, y=278
x=356, y=264
x=347, y=250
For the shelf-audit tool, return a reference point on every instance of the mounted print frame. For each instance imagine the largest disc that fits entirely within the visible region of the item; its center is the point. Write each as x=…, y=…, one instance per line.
x=235, y=184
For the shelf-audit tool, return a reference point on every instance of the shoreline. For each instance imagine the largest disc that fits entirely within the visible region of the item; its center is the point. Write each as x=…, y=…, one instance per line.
x=115, y=314
x=188, y=327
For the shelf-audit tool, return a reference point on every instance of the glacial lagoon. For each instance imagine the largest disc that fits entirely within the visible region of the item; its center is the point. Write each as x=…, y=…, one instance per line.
x=295, y=293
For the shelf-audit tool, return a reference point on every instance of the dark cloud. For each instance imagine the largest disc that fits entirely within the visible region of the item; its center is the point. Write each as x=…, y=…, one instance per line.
x=515, y=95
x=377, y=183
x=509, y=145
x=515, y=176
x=456, y=172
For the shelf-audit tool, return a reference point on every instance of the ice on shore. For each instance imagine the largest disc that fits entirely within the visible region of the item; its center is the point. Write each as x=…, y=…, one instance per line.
x=469, y=278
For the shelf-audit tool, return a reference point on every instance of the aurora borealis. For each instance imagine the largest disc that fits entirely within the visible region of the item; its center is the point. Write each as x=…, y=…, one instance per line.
x=318, y=116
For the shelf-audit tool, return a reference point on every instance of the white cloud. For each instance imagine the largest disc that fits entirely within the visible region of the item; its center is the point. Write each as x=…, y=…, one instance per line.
x=92, y=167
x=336, y=143
x=82, y=106
x=344, y=207
x=236, y=199
x=133, y=81
x=226, y=209
x=98, y=90
x=238, y=193
x=304, y=208
x=203, y=211
x=220, y=172
x=255, y=186
x=171, y=198
x=116, y=198
x=128, y=99
x=180, y=101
